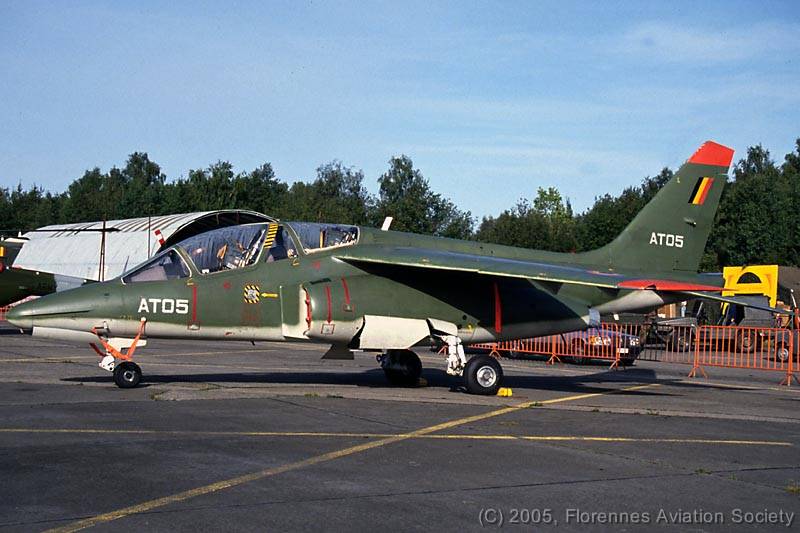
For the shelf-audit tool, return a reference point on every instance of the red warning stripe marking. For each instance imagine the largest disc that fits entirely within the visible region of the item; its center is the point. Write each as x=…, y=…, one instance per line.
x=346, y=292
x=330, y=304
x=308, y=308
x=665, y=285
x=498, y=310
x=194, y=304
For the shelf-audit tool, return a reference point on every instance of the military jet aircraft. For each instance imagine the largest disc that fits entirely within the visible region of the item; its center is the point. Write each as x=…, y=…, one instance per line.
x=359, y=288
x=18, y=283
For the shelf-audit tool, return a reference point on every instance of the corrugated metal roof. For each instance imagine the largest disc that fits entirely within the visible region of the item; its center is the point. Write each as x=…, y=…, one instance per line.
x=77, y=253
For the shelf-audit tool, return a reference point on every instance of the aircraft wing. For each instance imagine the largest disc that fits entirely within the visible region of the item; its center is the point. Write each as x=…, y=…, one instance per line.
x=511, y=268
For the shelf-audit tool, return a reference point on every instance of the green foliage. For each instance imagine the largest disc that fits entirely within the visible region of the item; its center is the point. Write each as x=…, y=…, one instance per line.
x=757, y=221
x=336, y=195
x=609, y=215
x=406, y=196
x=757, y=218
x=548, y=224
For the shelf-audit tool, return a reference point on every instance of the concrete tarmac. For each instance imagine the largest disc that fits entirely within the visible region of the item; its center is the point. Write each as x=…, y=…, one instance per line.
x=269, y=437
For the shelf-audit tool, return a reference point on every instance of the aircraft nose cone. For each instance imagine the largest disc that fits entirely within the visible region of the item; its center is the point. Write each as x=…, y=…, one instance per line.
x=47, y=309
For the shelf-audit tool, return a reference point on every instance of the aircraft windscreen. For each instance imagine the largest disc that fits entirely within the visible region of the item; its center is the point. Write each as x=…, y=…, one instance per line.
x=165, y=266
x=225, y=248
x=314, y=236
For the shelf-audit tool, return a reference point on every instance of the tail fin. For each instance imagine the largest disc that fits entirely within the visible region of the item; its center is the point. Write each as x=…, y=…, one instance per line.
x=671, y=231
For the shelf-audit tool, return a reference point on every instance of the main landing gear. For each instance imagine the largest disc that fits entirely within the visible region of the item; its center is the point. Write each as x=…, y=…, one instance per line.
x=482, y=373
x=402, y=367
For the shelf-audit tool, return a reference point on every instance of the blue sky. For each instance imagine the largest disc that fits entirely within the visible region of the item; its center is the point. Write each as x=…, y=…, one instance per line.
x=490, y=100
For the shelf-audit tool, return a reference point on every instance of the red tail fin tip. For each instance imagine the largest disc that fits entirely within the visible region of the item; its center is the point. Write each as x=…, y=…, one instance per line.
x=711, y=153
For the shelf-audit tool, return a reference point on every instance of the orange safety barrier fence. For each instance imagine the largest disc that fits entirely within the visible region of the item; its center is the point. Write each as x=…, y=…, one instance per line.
x=667, y=344
x=771, y=349
x=593, y=343
x=604, y=343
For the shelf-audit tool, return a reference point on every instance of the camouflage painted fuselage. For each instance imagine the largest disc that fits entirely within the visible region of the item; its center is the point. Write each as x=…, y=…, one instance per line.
x=317, y=296
x=379, y=290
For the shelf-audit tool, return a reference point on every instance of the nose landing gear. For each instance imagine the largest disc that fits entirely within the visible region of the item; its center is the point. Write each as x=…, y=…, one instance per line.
x=127, y=374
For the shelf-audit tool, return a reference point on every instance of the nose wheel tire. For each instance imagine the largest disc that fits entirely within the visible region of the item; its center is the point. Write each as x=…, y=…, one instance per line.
x=402, y=368
x=127, y=375
x=483, y=375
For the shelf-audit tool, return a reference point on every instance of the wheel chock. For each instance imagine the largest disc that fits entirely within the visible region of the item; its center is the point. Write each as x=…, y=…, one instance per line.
x=505, y=392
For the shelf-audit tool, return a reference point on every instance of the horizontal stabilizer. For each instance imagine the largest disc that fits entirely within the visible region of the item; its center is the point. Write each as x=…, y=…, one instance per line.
x=736, y=301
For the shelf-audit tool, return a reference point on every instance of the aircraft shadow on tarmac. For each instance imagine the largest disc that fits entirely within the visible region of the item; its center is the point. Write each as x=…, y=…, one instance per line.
x=578, y=384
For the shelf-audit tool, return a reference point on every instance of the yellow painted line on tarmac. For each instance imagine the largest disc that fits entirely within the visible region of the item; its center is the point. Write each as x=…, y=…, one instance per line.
x=317, y=459
x=547, y=438
x=451, y=436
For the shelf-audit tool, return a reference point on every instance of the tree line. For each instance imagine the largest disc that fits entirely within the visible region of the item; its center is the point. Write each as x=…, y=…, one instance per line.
x=758, y=220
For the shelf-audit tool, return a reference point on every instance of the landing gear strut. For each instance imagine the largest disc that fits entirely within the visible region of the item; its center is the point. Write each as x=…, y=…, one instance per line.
x=402, y=367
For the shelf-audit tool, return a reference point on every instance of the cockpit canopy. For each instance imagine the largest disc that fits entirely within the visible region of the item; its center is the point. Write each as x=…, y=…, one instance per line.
x=225, y=248
x=316, y=236
x=234, y=247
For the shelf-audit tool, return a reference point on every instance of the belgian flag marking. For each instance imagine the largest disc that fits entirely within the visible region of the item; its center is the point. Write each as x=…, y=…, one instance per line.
x=701, y=191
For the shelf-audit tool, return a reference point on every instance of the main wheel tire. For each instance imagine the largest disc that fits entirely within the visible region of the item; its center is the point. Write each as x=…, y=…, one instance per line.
x=483, y=375
x=127, y=375
x=404, y=368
